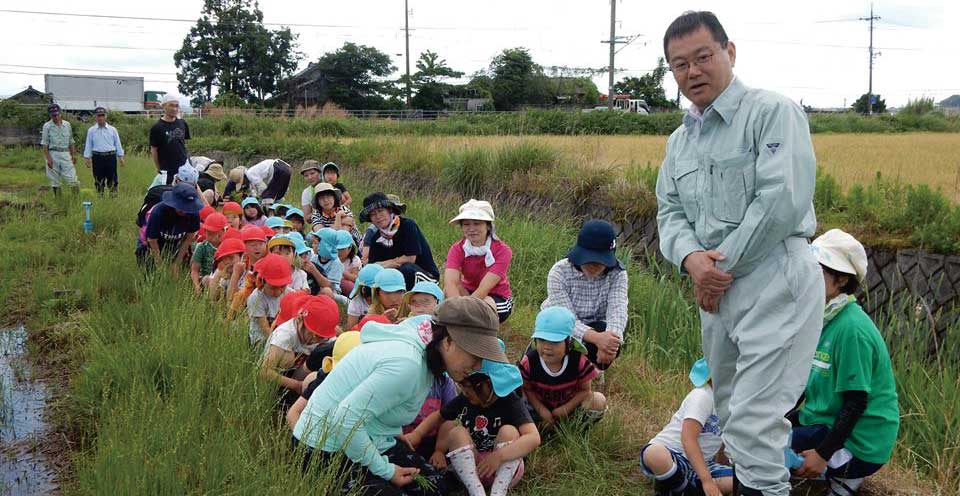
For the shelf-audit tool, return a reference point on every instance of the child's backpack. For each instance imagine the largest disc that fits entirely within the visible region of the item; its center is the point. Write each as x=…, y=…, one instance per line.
x=154, y=196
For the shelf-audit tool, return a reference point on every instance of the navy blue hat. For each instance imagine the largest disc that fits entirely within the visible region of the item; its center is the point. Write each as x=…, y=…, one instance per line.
x=53, y=108
x=100, y=110
x=596, y=243
x=183, y=197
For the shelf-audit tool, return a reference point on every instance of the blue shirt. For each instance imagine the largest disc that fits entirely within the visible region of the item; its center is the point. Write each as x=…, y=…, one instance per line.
x=102, y=139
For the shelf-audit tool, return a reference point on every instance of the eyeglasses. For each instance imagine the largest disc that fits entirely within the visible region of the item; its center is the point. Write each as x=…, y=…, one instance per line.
x=683, y=66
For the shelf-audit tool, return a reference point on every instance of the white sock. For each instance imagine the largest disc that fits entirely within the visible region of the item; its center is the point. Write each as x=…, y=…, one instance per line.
x=465, y=465
x=844, y=487
x=504, y=475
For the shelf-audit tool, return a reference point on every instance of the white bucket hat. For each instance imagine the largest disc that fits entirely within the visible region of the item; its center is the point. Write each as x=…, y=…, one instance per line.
x=169, y=97
x=841, y=252
x=474, y=210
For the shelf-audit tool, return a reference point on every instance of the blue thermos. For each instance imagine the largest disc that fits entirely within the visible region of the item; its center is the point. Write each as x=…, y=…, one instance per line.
x=87, y=223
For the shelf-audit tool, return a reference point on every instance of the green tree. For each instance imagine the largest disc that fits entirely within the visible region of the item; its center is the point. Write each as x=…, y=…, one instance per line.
x=879, y=105
x=356, y=74
x=517, y=80
x=230, y=49
x=428, y=81
x=648, y=87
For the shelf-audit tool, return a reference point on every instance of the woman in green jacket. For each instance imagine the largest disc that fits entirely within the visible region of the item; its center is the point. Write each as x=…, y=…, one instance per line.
x=847, y=426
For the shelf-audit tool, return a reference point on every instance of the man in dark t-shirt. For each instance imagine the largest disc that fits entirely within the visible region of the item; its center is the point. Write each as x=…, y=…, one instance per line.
x=168, y=137
x=399, y=243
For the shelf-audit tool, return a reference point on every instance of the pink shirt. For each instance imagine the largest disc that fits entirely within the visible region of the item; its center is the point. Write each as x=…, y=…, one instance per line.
x=472, y=269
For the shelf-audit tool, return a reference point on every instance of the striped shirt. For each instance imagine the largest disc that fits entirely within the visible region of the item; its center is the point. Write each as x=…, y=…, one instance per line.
x=556, y=389
x=592, y=300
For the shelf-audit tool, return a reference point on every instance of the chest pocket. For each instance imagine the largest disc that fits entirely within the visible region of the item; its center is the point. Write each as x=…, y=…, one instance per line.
x=685, y=178
x=733, y=185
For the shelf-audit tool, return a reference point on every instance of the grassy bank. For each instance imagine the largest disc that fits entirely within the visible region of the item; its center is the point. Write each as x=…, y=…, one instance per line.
x=163, y=397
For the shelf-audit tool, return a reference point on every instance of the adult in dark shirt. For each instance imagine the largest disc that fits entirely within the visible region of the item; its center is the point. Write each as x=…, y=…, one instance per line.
x=168, y=137
x=172, y=227
x=399, y=243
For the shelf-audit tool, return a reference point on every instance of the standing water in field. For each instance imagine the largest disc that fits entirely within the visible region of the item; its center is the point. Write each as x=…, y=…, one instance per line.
x=22, y=401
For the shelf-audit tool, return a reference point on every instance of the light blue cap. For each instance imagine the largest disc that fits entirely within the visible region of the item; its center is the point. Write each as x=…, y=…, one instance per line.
x=389, y=280
x=699, y=372
x=366, y=277
x=188, y=174
x=250, y=200
x=554, y=324
x=295, y=236
x=300, y=246
x=429, y=288
x=344, y=240
x=327, y=249
x=274, y=222
x=295, y=211
x=505, y=377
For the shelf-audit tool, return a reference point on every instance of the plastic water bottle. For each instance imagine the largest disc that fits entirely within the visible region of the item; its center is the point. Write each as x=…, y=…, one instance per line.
x=87, y=223
x=163, y=177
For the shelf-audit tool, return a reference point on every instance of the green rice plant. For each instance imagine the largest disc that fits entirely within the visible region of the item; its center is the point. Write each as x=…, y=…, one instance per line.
x=468, y=171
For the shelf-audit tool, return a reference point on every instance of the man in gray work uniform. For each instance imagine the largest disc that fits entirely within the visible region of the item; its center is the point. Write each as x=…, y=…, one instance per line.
x=56, y=138
x=735, y=209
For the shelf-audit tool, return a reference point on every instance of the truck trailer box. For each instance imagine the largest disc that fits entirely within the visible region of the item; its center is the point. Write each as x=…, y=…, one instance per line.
x=84, y=93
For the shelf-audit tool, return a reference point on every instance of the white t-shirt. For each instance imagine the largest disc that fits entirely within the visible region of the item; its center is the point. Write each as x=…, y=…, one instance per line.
x=306, y=199
x=260, y=304
x=358, y=306
x=698, y=405
x=299, y=280
x=285, y=337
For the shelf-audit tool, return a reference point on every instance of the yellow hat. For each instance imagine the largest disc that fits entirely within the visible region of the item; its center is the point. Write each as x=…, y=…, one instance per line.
x=344, y=343
x=280, y=241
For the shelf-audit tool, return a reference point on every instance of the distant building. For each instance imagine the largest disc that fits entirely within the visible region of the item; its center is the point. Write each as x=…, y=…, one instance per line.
x=309, y=87
x=950, y=105
x=31, y=96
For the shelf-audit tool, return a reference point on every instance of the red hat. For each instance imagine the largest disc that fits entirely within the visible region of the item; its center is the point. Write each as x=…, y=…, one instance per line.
x=232, y=233
x=228, y=247
x=215, y=222
x=290, y=305
x=206, y=211
x=382, y=319
x=232, y=208
x=274, y=269
x=267, y=232
x=321, y=315
x=252, y=233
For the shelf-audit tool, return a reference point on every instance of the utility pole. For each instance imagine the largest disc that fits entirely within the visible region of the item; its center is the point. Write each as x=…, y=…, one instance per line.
x=406, y=34
x=613, y=45
x=872, y=55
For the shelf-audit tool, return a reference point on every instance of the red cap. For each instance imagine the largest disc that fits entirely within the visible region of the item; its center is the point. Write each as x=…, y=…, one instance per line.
x=267, y=232
x=232, y=208
x=232, y=233
x=382, y=319
x=274, y=269
x=206, y=211
x=252, y=233
x=215, y=222
x=321, y=315
x=228, y=247
x=290, y=305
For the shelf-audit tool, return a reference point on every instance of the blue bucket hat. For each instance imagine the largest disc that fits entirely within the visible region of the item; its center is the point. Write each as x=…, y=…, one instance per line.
x=555, y=324
x=188, y=174
x=344, y=240
x=366, y=277
x=184, y=197
x=699, y=372
x=250, y=200
x=505, y=377
x=295, y=236
x=327, y=249
x=596, y=243
x=295, y=211
x=389, y=280
x=274, y=222
x=299, y=245
x=427, y=287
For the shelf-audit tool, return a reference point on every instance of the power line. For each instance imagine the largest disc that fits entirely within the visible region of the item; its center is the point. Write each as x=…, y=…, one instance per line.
x=42, y=74
x=87, y=70
x=68, y=45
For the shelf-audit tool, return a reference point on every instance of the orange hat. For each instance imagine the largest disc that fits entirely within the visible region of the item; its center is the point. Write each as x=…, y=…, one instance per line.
x=206, y=211
x=290, y=305
x=252, y=233
x=321, y=315
x=232, y=208
x=274, y=269
x=228, y=247
x=267, y=232
x=215, y=222
x=232, y=233
x=382, y=319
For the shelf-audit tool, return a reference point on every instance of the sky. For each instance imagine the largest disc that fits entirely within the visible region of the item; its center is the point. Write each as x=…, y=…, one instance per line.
x=814, y=52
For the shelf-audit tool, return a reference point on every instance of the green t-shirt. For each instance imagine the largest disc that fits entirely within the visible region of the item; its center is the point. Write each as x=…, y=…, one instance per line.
x=852, y=356
x=203, y=255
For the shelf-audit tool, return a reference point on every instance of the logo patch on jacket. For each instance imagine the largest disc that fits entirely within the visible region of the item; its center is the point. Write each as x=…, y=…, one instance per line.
x=773, y=148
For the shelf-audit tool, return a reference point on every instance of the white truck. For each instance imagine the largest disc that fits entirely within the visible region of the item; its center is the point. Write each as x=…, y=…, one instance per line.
x=84, y=93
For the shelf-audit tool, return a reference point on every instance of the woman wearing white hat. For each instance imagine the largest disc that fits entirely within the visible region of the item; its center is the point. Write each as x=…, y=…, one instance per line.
x=848, y=422
x=477, y=265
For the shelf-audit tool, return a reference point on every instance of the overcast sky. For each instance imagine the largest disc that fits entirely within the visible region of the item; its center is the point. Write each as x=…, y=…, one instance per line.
x=814, y=50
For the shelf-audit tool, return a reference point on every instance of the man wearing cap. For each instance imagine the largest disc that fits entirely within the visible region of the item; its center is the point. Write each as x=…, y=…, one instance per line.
x=101, y=151
x=56, y=137
x=171, y=228
x=592, y=284
x=735, y=209
x=168, y=146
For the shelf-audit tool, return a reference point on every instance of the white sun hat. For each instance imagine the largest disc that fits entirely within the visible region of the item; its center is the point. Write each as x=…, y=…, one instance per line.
x=474, y=210
x=841, y=252
x=169, y=97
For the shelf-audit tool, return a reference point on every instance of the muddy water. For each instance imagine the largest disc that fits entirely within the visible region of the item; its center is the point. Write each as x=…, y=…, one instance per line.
x=23, y=468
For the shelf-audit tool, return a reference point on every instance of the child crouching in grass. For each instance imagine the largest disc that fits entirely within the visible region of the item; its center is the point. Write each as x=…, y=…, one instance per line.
x=557, y=373
x=273, y=276
x=683, y=457
x=202, y=261
x=361, y=297
x=421, y=300
x=289, y=344
x=227, y=255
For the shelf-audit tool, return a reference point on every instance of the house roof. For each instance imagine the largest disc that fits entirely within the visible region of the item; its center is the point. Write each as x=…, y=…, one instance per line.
x=951, y=102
